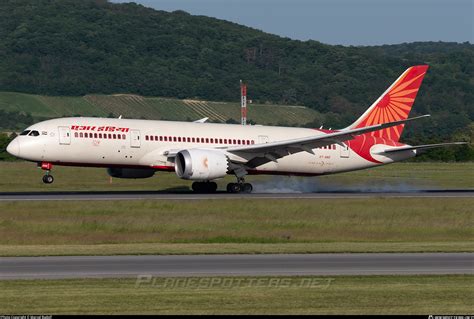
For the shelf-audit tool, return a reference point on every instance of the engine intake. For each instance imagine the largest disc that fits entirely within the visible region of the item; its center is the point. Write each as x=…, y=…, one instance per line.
x=197, y=164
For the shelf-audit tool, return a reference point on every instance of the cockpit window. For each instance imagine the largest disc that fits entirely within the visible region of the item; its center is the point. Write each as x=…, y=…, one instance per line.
x=25, y=132
x=34, y=133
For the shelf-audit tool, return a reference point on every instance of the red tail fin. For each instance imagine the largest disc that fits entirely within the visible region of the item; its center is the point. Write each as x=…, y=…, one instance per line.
x=394, y=105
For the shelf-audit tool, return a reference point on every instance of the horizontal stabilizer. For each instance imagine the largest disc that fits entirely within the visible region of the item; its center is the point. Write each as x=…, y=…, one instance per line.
x=419, y=147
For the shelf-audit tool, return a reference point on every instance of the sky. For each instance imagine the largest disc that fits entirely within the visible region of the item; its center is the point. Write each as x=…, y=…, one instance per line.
x=346, y=22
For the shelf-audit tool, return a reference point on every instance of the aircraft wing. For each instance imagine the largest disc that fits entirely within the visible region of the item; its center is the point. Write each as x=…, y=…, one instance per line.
x=418, y=147
x=259, y=154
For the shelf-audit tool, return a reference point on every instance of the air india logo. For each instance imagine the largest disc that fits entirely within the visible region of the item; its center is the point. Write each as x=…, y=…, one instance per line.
x=205, y=162
x=396, y=104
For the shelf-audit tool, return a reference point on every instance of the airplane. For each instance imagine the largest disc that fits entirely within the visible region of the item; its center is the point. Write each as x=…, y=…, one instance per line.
x=203, y=152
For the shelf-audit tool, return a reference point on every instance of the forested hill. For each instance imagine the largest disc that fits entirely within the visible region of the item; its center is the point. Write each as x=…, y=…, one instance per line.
x=77, y=47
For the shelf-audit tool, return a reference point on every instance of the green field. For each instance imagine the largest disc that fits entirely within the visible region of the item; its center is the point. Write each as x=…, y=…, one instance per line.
x=240, y=226
x=156, y=108
x=236, y=226
x=25, y=176
x=245, y=295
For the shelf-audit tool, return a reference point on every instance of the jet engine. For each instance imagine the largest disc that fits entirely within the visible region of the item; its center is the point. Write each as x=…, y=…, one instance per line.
x=197, y=164
x=130, y=172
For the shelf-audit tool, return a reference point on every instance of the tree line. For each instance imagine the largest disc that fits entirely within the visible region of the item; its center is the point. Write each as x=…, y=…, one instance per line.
x=77, y=47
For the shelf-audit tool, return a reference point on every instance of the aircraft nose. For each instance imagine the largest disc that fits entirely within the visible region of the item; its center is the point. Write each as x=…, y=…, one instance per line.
x=14, y=148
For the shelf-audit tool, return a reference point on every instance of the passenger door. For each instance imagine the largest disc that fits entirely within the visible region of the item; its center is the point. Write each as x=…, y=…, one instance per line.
x=345, y=151
x=263, y=139
x=64, y=135
x=135, y=138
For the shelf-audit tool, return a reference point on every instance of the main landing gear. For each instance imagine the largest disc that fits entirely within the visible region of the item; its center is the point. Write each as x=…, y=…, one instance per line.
x=211, y=187
x=239, y=187
x=47, y=178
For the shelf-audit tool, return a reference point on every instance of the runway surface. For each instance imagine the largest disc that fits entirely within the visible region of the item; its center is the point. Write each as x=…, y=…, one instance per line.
x=186, y=195
x=228, y=265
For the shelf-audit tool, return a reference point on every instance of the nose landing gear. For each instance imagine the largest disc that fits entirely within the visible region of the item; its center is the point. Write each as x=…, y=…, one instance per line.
x=47, y=178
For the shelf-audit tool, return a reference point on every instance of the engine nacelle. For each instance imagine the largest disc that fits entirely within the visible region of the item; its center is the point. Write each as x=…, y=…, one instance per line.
x=197, y=164
x=130, y=172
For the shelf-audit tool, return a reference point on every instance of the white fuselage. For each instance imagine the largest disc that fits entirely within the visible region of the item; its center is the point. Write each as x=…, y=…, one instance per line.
x=86, y=141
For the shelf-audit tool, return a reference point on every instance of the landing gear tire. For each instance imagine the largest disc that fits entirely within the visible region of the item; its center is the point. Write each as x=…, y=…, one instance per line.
x=204, y=187
x=48, y=179
x=239, y=188
x=246, y=188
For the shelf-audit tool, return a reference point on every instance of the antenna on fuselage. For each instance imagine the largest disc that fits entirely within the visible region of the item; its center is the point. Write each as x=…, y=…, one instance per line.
x=120, y=117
